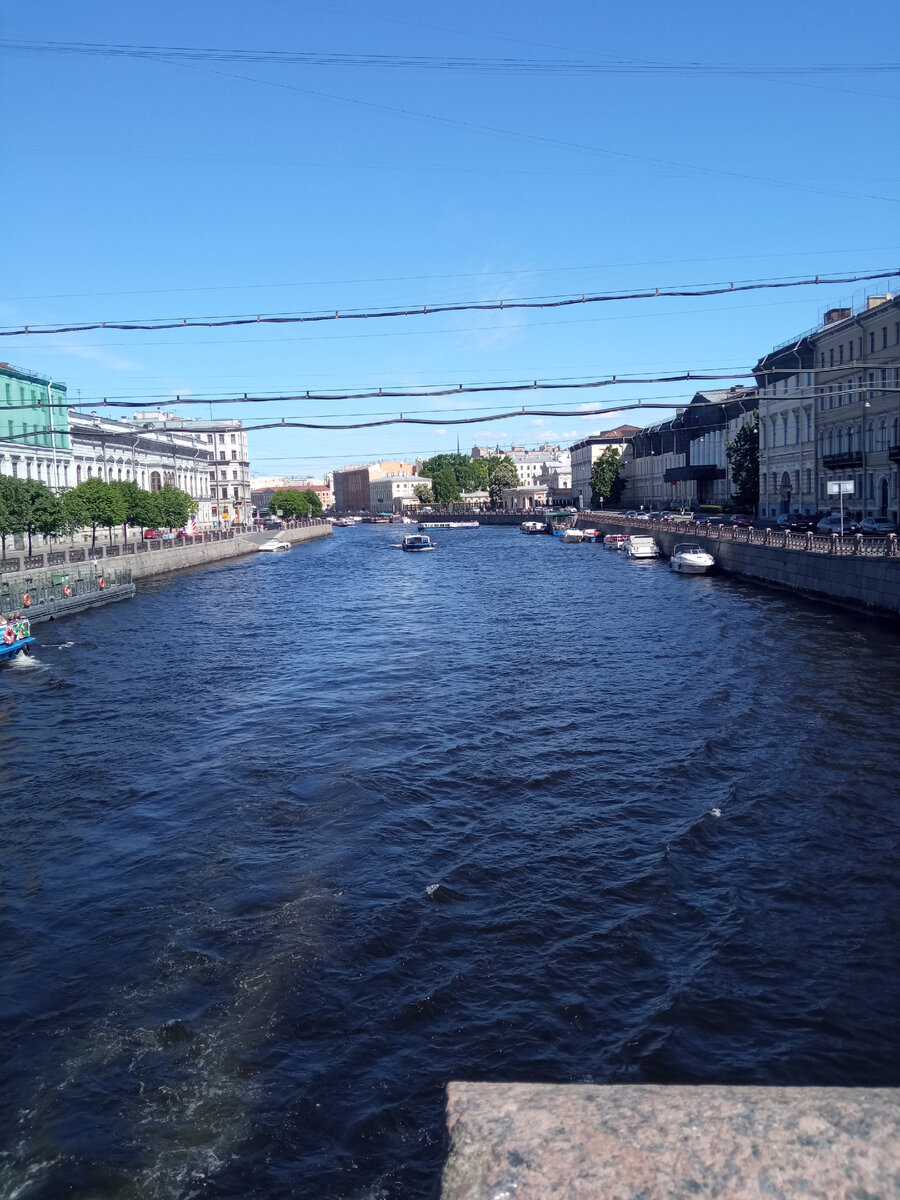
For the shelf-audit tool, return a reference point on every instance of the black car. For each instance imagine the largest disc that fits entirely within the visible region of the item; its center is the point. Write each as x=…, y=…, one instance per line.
x=796, y=522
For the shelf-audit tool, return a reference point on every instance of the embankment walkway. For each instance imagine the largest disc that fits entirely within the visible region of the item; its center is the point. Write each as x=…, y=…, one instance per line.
x=59, y=582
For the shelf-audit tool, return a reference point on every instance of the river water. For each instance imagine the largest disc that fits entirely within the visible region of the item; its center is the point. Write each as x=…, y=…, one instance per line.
x=288, y=844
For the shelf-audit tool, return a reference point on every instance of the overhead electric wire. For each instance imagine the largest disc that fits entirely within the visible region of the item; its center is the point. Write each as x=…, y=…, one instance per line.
x=431, y=309
x=504, y=65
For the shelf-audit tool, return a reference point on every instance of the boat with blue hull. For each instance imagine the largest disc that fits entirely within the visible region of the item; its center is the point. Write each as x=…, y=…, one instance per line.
x=15, y=639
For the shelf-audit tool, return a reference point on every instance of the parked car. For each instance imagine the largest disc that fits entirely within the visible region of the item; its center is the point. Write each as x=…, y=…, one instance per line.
x=655, y=516
x=832, y=524
x=272, y=523
x=701, y=519
x=150, y=533
x=796, y=522
x=877, y=525
x=740, y=521
x=641, y=516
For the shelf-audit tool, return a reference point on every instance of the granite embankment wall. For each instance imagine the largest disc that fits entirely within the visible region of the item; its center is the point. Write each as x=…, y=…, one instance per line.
x=855, y=573
x=211, y=553
x=632, y=1142
x=37, y=585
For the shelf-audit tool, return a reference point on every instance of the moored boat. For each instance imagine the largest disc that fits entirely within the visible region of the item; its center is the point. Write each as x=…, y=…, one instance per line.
x=532, y=527
x=641, y=546
x=571, y=535
x=591, y=535
x=15, y=638
x=274, y=546
x=615, y=541
x=690, y=559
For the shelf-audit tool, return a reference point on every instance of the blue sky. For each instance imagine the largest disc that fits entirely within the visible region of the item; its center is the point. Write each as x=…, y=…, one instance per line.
x=467, y=160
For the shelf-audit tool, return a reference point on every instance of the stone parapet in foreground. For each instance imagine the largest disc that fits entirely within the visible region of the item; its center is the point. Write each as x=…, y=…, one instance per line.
x=636, y=1142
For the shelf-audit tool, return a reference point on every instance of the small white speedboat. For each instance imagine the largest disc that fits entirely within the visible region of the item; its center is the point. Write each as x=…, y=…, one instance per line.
x=690, y=559
x=274, y=546
x=532, y=527
x=641, y=546
x=572, y=535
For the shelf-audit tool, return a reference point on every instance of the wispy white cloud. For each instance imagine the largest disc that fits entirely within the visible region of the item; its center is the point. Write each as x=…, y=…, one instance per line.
x=539, y=421
x=439, y=432
x=113, y=362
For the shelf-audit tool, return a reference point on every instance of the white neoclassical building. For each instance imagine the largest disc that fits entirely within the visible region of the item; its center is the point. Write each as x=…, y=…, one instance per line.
x=111, y=449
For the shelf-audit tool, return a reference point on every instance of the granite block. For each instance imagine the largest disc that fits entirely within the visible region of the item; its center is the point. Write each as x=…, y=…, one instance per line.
x=632, y=1142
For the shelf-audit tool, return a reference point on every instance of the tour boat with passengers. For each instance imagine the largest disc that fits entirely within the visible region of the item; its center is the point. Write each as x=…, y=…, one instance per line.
x=15, y=638
x=615, y=541
x=532, y=527
x=447, y=525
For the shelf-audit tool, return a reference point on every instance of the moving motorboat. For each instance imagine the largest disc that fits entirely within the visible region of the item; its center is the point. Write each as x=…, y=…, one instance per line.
x=15, y=638
x=641, y=546
x=274, y=546
x=343, y=522
x=417, y=542
x=690, y=559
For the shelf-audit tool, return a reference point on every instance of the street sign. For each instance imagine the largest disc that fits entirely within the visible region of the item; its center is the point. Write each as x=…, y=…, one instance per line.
x=841, y=487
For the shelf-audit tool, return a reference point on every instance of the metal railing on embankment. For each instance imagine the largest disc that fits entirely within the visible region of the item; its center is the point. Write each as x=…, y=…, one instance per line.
x=41, y=595
x=13, y=563
x=856, y=545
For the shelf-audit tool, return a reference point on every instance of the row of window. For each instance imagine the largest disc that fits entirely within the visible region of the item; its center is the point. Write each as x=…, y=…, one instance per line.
x=787, y=484
x=854, y=347
x=836, y=441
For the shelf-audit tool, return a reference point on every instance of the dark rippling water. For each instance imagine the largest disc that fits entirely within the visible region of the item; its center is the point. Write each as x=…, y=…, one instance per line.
x=289, y=844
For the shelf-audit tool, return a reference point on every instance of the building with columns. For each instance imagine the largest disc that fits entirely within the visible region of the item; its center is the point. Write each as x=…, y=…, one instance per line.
x=110, y=449
x=682, y=463
x=34, y=428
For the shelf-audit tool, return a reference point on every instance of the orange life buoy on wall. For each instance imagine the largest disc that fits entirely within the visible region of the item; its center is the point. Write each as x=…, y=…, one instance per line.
x=67, y=591
x=26, y=600
x=101, y=583
x=10, y=636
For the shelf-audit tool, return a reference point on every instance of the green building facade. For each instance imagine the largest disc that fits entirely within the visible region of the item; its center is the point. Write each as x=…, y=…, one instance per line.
x=34, y=427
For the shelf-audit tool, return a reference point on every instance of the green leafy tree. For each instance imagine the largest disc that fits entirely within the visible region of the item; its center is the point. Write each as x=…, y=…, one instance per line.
x=444, y=485
x=470, y=474
x=314, y=501
x=423, y=493
x=45, y=515
x=743, y=455
x=142, y=510
x=503, y=474
x=14, y=508
x=95, y=502
x=291, y=503
x=606, y=480
x=175, y=506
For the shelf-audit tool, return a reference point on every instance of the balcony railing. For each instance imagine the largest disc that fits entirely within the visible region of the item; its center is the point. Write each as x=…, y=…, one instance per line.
x=846, y=458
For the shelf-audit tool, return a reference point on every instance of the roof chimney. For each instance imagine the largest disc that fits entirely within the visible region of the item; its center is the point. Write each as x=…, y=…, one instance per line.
x=875, y=301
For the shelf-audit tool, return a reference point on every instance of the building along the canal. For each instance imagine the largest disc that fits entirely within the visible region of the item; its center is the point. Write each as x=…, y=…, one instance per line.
x=583, y=455
x=682, y=463
x=110, y=449
x=34, y=428
x=830, y=410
